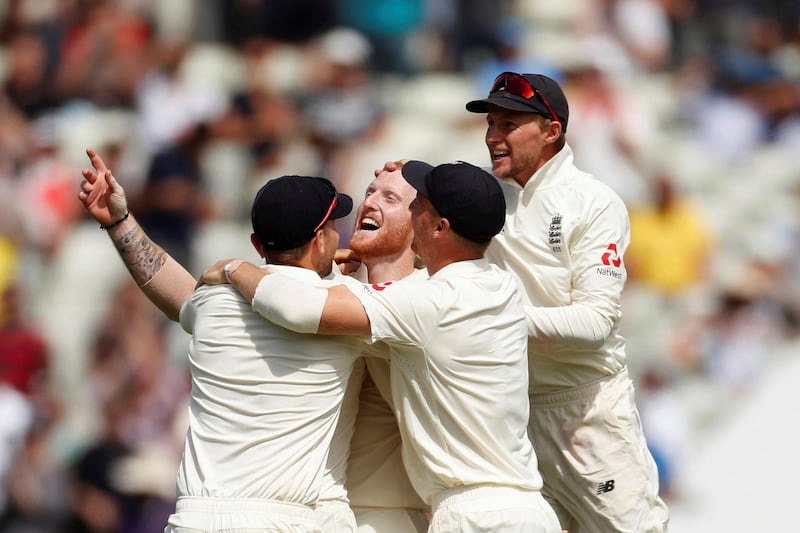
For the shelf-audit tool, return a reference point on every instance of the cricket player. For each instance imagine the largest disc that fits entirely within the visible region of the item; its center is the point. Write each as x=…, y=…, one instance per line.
x=380, y=493
x=383, y=498
x=458, y=353
x=264, y=401
x=564, y=241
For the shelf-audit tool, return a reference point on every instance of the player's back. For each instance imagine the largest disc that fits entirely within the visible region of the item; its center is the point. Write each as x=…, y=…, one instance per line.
x=264, y=400
x=459, y=362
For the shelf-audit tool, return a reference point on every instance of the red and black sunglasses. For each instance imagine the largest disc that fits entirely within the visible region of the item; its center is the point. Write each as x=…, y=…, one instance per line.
x=334, y=202
x=517, y=85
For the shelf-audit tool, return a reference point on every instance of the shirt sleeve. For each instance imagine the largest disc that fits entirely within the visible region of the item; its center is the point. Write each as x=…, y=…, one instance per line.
x=598, y=276
x=188, y=310
x=401, y=311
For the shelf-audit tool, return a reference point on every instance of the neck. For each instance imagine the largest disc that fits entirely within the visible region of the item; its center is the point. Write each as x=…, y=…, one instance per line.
x=320, y=266
x=387, y=268
x=438, y=263
x=547, y=154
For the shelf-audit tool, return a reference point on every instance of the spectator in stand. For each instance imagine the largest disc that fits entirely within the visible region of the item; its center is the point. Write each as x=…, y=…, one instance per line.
x=173, y=202
x=103, y=495
x=28, y=82
x=511, y=53
x=671, y=243
x=23, y=350
x=45, y=189
x=389, y=25
x=611, y=127
x=669, y=265
x=342, y=109
x=23, y=379
x=103, y=53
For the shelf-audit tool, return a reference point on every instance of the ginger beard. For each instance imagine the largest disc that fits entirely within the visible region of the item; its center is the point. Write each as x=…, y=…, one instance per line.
x=383, y=224
x=386, y=240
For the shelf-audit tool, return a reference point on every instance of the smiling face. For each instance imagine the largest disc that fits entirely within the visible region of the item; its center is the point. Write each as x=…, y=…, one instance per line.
x=515, y=141
x=383, y=224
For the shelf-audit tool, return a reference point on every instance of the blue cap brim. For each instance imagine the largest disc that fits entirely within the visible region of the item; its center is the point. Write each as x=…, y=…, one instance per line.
x=416, y=174
x=507, y=101
x=344, y=204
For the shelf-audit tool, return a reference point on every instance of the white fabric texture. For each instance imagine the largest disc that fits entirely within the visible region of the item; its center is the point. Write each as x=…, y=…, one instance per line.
x=264, y=402
x=458, y=376
x=564, y=240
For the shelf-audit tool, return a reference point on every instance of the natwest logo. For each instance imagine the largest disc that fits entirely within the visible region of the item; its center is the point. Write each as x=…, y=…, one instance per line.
x=611, y=257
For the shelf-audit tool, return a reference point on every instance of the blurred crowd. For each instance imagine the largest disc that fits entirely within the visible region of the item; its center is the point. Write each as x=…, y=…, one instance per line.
x=689, y=109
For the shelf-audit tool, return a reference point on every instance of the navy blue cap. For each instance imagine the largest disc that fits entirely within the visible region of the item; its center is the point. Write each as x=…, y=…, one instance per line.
x=549, y=90
x=466, y=195
x=288, y=211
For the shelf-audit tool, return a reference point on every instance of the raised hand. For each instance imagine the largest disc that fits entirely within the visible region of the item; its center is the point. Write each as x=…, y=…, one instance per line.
x=101, y=195
x=390, y=166
x=347, y=261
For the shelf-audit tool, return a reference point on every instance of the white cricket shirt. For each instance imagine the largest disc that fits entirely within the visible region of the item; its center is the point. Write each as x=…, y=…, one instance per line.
x=367, y=440
x=458, y=374
x=264, y=400
x=564, y=240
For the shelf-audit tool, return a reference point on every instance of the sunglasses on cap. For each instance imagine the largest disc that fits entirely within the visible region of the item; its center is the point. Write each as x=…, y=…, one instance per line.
x=517, y=85
x=329, y=212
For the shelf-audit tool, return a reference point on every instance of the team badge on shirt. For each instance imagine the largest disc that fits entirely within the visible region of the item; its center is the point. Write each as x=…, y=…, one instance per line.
x=554, y=233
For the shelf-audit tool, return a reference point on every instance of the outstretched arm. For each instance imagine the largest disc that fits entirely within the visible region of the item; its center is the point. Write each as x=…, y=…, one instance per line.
x=165, y=283
x=293, y=304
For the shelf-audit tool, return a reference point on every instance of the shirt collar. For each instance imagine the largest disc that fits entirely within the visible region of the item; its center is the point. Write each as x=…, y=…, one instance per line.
x=292, y=272
x=549, y=170
x=459, y=268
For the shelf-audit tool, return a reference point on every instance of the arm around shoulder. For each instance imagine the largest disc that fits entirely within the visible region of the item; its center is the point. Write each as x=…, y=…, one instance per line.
x=344, y=314
x=305, y=308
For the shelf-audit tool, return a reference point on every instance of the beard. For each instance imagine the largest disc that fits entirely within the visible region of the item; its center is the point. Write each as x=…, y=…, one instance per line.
x=385, y=241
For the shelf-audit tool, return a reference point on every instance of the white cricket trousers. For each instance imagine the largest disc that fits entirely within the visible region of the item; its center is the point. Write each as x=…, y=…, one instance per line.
x=385, y=520
x=478, y=508
x=335, y=516
x=598, y=472
x=246, y=515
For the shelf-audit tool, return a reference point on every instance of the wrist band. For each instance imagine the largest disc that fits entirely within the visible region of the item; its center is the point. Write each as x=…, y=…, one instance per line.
x=120, y=221
x=229, y=268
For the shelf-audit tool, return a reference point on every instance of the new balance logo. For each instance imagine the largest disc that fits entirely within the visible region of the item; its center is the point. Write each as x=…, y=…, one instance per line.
x=605, y=486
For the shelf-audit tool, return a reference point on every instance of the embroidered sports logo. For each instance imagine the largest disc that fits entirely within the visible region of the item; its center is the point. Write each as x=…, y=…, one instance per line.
x=611, y=257
x=605, y=486
x=381, y=286
x=554, y=233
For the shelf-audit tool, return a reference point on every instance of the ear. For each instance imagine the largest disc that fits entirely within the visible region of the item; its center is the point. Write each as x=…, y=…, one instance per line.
x=318, y=241
x=441, y=226
x=257, y=244
x=553, y=132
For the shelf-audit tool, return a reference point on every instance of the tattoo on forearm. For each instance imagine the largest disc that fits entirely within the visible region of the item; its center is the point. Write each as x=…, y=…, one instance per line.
x=143, y=257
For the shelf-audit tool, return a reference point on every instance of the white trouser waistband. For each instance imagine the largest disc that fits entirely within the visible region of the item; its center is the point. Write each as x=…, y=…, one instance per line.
x=473, y=492
x=234, y=505
x=583, y=392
